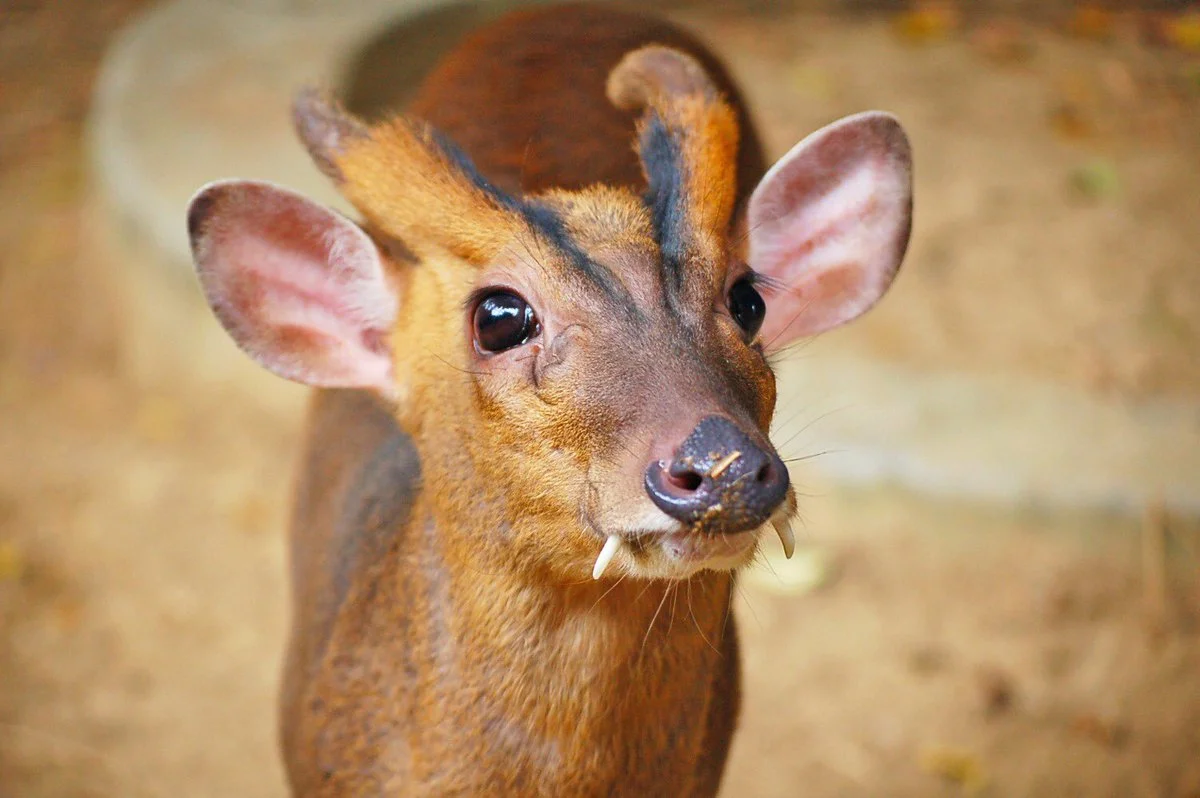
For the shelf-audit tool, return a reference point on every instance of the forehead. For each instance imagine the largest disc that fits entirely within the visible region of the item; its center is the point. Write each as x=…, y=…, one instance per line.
x=604, y=245
x=599, y=251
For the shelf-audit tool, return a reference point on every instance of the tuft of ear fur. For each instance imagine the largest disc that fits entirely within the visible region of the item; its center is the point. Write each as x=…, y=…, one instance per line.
x=407, y=180
x=301, y=289
x=325, y=128
x=687, y=141
x=415, y=185
x=829, y=224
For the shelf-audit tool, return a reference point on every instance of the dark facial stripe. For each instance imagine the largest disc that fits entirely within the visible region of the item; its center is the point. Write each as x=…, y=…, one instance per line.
x=459, y=159
x=663, y=162
x=542, y=220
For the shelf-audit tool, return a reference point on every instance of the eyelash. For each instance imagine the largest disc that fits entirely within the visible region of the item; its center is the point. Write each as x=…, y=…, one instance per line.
x=760, y=280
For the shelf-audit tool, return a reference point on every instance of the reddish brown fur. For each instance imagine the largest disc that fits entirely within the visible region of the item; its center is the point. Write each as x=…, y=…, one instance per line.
x=446, y=637
x=406, y=189
x=547, y=125
x=691, y=107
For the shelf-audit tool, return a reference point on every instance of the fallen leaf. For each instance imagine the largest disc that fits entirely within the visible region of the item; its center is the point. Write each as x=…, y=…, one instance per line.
x=955, y=765
x=810, y=569
x=928, y=660
x=1070, y=122
x=1106, y=731
x=1096, y=180
x=927, y=22
x=1090, y=21
x=996, y=690
x=68, y=612
x=813, y=81
x=1003, y=41
x=12, y=561
x=1183, y=31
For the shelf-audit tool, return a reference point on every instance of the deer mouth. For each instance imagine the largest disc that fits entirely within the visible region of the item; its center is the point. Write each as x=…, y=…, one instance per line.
x=692, y=549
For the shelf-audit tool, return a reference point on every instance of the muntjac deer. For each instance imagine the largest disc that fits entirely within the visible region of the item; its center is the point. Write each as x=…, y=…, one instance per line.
x=539, y=453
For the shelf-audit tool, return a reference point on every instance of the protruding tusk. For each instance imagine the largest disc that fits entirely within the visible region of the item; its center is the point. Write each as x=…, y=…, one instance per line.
x=606, y=556
x=783, y=528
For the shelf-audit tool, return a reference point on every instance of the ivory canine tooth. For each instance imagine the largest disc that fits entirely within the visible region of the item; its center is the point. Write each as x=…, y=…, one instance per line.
x=606, y=555
x=783, y=528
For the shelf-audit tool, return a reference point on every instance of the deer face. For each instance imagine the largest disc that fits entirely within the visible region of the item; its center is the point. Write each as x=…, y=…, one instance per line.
x=594, y=362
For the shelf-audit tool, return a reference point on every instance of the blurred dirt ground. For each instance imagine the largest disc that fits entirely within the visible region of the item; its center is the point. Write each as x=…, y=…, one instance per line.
x=955, y=649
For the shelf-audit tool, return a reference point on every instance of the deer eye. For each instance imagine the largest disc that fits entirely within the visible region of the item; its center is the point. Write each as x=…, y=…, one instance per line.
x=746, y=306
x=504, y=320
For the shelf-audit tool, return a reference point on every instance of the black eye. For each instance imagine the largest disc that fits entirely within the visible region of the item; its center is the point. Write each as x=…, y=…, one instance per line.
x=746, y=306
x=504, y=320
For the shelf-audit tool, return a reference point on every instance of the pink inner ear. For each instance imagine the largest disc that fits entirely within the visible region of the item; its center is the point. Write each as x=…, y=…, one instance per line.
x=300, y=288
x=829, y=223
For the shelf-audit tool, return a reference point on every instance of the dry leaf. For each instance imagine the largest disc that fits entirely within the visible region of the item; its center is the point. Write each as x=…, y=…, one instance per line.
x=813, y=81
x=954, y=765
x=1180, y=31
x=1003, y=41
x=12, y=561
x=811, y=568
x=927, y=22
x=996, y=690
x=1108, y=732
x=1070, y=122
x=1091, y=22
x=68, y=613
x=1096, y=180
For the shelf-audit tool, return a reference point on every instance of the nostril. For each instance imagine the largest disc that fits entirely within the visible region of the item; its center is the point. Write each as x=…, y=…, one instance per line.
x=677, y=491
x=764, y=474
x=686, y=480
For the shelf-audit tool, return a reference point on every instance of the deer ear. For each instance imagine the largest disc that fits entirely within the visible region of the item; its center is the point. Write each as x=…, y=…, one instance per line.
x=829, y=224
x=300, y=288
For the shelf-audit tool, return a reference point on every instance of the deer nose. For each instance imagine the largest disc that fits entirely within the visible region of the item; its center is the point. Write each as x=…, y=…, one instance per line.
x=719, y=480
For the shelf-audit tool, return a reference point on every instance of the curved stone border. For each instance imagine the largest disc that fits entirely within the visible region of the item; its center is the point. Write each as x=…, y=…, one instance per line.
x=196, y=90
x=1002, y=439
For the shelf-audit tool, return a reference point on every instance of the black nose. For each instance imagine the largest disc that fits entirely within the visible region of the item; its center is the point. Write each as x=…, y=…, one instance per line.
x=720, y=480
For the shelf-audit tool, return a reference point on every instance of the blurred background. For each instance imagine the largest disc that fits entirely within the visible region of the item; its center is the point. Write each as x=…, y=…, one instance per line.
x=998, y=586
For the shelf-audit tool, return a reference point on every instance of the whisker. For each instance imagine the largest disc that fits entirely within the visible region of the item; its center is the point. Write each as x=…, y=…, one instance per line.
x=743, y=236
x=749, y=606
x=728, y=608
x=793, y=351
x=795, y=318
x=654, y=618
x=696, y=620
x=456, y=368
x=524, y=163
x=674, y=589
x=606, y=592
x=649, y=584
x=801, y=431
x=804, y=457
x=777, y=426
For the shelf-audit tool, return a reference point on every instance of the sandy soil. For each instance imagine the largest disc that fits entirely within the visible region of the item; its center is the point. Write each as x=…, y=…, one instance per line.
x=954, y=649
x=1057, y=188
